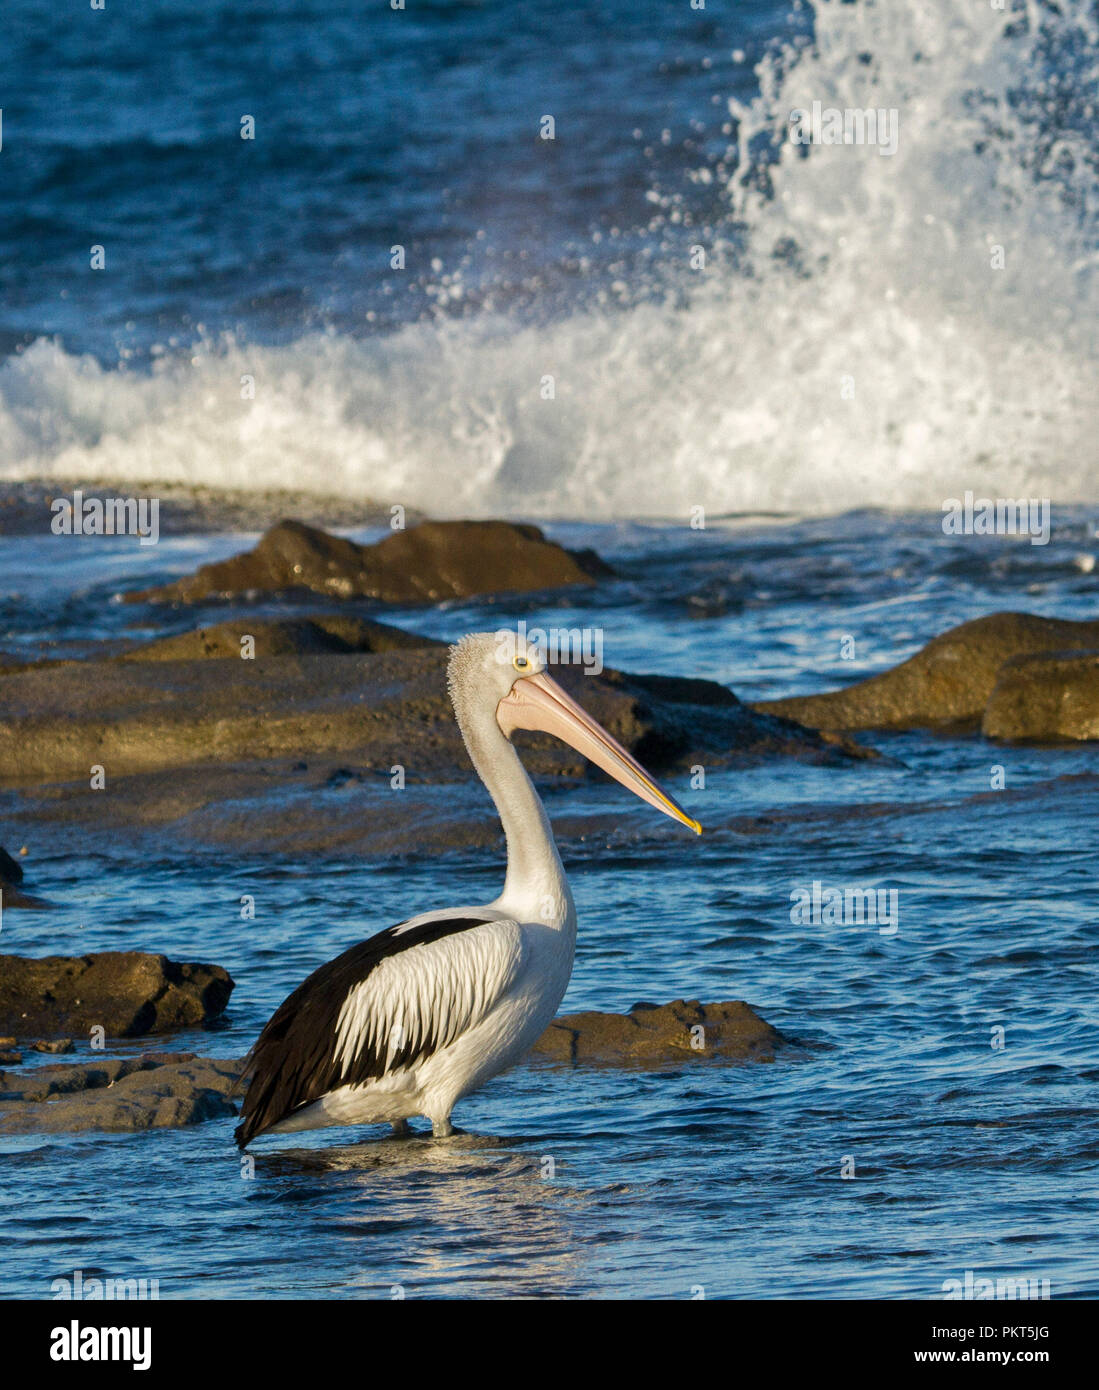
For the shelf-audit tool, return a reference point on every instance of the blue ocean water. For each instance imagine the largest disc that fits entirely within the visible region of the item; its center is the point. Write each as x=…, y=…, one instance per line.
x=372, y=127
x=725, y=388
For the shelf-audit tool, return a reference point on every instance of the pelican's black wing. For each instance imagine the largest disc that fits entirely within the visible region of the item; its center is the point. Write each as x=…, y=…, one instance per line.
x=386, y=1003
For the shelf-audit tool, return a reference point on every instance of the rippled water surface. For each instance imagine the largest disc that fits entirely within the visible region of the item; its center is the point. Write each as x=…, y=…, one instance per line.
x=962, y=1155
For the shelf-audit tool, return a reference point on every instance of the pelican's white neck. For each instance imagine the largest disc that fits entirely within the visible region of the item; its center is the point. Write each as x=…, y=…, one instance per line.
x=536, y=889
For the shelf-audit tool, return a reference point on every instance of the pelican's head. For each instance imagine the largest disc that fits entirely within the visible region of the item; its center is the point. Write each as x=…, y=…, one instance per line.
x=504, y=669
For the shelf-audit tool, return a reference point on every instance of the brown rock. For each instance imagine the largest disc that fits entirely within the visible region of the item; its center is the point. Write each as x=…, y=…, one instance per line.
x=313, y=634
x=55, y=1045
x=389, y=707
x=433, y=561
x=652, y=1033
x=1045, y=697
x=10, y=1058
x=155, y=1091
x=674, y=721
x=127, y=993
x=324, y=633
x=947, y=684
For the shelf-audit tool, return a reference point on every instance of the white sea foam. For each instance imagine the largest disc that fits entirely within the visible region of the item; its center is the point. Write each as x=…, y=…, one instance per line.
x=878, y=360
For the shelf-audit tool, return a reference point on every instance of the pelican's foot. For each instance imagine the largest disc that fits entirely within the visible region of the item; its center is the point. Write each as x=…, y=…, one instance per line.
x=401, y=1129
x=442, y=1129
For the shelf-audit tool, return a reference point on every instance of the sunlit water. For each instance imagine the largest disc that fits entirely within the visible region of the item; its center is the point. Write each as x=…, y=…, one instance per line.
x=729, y=1177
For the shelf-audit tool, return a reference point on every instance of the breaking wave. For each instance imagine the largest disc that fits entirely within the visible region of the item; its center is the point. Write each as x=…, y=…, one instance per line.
x=869, y=329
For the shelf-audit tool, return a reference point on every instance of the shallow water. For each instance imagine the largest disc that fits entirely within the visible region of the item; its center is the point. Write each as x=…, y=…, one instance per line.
x=623, y=1183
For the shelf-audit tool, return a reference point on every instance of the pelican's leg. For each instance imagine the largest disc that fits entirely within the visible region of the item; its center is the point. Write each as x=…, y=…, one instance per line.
x=442, y=1129
x=401, y=1129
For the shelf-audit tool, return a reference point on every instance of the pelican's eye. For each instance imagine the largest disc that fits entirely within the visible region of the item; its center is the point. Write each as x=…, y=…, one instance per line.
x=521, y=663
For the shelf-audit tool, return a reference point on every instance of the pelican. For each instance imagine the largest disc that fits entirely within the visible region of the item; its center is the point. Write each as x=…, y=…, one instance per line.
x=412, y=1019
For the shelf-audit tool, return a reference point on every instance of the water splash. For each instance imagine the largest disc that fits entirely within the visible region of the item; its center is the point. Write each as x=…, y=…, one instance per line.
x=850, y=342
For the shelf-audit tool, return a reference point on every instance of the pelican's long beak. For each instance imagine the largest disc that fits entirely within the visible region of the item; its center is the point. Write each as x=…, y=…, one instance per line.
x=538, y=703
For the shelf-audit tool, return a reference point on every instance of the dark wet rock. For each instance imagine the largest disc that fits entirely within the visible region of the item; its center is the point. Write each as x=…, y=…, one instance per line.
x=318, y=635
x=946, y=684
x=1046, y=697
x=127, y=993
x=673, y=721
x=436, y=560
x=155, y=1091
x=11, y=871
x=9, y=1057
x=387, y=708
x=12, y=661
x=652, y=1033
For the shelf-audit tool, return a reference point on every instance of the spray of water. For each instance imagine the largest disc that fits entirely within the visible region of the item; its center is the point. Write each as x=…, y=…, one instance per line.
x=870, y=329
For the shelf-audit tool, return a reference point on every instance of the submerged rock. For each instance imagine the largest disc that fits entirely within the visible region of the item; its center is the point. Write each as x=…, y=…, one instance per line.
x=156, y=1091
x=436, y=560
x=1045, y=697
x=651, y=1034
x=126, y=993
x=948, y=683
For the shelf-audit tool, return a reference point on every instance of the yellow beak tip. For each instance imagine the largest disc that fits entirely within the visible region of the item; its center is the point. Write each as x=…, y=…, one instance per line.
x=695, y=826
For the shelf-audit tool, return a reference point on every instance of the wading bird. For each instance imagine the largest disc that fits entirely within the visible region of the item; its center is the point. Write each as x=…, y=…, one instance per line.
x=411, y=1020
